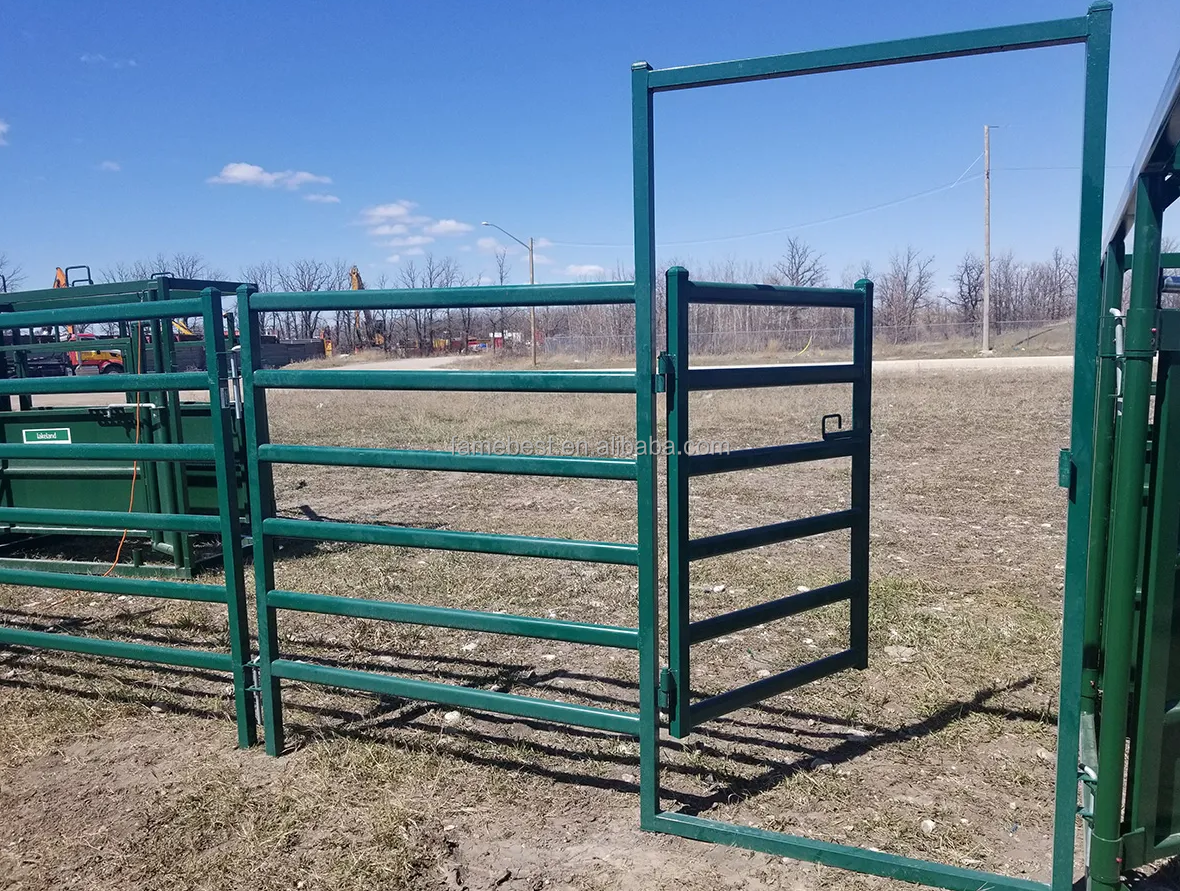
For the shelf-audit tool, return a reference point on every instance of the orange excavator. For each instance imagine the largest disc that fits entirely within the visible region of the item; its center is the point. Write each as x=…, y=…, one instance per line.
x=372, y=332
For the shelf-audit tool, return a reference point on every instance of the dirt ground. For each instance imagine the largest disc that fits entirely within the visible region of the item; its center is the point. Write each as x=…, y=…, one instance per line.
x=115, y=776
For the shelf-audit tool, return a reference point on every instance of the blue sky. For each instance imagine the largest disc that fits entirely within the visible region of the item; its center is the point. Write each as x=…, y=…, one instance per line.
x=372, y=132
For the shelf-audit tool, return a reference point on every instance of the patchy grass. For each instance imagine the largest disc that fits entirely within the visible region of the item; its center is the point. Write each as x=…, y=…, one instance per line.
x=953, y=722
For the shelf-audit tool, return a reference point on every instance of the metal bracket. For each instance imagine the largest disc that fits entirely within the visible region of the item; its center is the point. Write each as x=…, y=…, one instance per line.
x=1065, y=469
x=254, y=673
x=838, y=432
x=665, y=379
x=667, y=697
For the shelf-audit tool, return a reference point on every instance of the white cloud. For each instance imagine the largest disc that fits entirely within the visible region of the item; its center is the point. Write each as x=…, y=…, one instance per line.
x=585, y=269
x=542, y=243
x=390, y=229
x=415, y=252
x=321, y=198
x=110, y=167
x=3, y=131
x=100, y=59
x=411, y=241
x=241, y=174
x=487, y=243
x=541, y=259
x=382, y=213
x=448, y=227
x=393, y=258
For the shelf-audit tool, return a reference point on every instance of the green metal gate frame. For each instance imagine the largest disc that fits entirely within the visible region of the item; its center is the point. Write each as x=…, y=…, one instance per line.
x=226, y=523
x=266, y=526
x=1092, y=30
x=681, y=380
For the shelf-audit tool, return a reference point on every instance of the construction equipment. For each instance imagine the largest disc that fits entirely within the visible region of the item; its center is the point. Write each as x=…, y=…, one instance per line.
x=372, y=332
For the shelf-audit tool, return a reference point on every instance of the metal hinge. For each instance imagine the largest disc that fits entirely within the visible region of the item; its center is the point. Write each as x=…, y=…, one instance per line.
x=665, y=379
x=667, y=697
x=1066, y=473
x=254, y=673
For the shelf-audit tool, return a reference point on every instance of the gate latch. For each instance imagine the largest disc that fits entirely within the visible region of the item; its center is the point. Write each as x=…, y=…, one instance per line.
x=665, y=379
x=838, y=432
x=667, y=697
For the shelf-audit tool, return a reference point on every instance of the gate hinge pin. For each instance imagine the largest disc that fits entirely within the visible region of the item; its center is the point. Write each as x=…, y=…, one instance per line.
x=665, y=379
x=667, y=697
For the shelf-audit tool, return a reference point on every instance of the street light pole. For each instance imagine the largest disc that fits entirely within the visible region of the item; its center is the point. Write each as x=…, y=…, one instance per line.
x=532, y=281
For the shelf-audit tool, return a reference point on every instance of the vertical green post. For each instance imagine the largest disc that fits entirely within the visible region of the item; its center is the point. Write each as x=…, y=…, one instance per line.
x=645, y=434
x=227, y=509
x=1089, y=279
x=862, y=428
x=1126, y=532
x=679, y=700
x=168, y=472
x=261, y=483
x=1103, y=468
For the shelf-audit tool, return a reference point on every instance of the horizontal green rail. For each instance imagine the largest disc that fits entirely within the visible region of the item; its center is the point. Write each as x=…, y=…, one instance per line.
x=444, y=298
x=742, y=377
x=116, y=649
x=872, y=55
x=111, y=519
x=752, y=694
x=113, y=584
x=863, y=860
x=67, y=346
x=772, y=456
x=449, y=540
x=105, y=383
x=460, y=697
x=468, y=620
x=86, y=315
x=132, y=291
x=96, y=451
x=413, y=459
x=770, y=611
x=775, y=533
x=773, y=295
x=472, y=381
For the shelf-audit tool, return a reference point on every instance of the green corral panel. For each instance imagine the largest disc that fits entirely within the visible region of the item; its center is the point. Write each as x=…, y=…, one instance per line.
x=1154, y=780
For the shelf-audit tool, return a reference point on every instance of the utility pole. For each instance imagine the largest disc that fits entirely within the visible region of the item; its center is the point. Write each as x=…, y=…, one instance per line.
x=987, y=237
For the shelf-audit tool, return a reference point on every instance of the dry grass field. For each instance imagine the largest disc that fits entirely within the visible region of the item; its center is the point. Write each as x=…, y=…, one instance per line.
x=115, y=776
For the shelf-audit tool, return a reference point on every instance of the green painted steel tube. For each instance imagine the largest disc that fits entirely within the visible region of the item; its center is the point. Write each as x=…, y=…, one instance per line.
x=862, y=411
x=70, y=346
x=466, y=619
x=115, y=649
x=103, y=383
x=1089, y=282
x=450, y=540
x=449, y=298
x=738, y=378
x=1103, y=471
x=770, y=611
x=412, y=459
x=774, y=533
x=111, y=312
x=647, y=509
x=131, y=291
x=678, y=699
x=113, y=584
x=863, y=860
x=1126, y=530
x=753, y=693
x=110, y=519
x=469, y=381
x=773, y=456
x=260, y=480
x=460, y=697
x=95, y=451
x=228, y=515
x=728, y=293
x=872, y=55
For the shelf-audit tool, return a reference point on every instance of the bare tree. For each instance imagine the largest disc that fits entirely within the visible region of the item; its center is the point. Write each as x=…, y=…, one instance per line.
x=904, y=291
x=180, y=265
x=13, y=274
x=800, y=266
x=967, y=297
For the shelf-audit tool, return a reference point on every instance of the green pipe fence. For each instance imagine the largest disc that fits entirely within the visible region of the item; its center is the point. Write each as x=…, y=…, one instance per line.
x=219, y=453
x=262, y=455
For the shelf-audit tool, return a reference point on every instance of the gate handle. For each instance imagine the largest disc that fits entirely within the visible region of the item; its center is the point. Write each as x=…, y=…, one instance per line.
x=823, y=424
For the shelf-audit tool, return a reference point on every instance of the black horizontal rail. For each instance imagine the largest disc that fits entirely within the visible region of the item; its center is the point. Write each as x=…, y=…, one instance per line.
x=738, y=377
x=761, y=536
x=772, y=610
x=772, y=456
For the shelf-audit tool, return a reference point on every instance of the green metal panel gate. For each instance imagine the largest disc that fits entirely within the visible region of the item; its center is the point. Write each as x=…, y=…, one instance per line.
x=225, y=523
x=262, y=454
x=853, y=442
